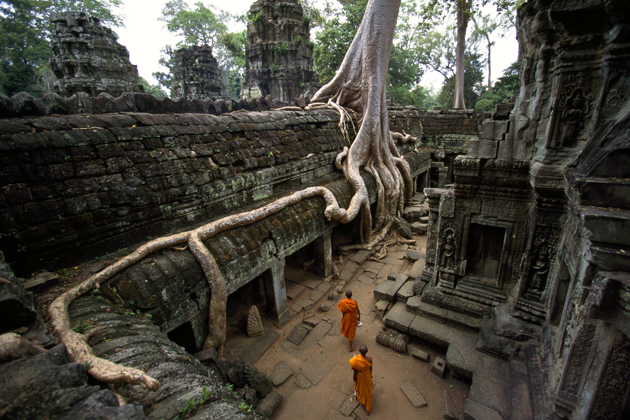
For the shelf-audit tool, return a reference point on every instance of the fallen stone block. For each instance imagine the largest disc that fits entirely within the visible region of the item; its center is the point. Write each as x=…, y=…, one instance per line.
x=207, y=354
x=419, y=228
x=380, y=292
x=269, y=403
x=312, y=321
x=299, y=332
x=412, y=255
x=381, y=307
x=413, y=395
x=281, y=373
x=41, y=281
x=439, y=366
x=421, y=355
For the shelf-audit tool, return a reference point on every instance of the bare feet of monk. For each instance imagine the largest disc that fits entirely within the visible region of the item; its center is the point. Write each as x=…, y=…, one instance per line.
x=351, y=349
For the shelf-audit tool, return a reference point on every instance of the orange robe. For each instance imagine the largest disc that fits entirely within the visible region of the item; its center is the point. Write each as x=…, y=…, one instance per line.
x=363, y=385
x=348, y=308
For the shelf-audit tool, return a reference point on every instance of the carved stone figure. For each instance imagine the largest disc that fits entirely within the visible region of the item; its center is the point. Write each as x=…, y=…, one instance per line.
x=254, y=322
x=540, y=270
x=448, y=251
x=573, y=118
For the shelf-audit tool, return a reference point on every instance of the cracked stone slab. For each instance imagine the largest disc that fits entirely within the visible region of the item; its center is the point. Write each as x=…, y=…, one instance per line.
x=281, y=373
x=348, y=271
x=361, y=256
x=294, y=290
x=299, y=332
x=477, y=411
x=312, y=321
x=399, y=318
x=323, y=287
x=349, y=405
x=491, y=384
x=316, y=295
x=414, y=396
x=450, y=411
x=315, y=335
x=317, y=366
x=302, y=381
x=380, y=292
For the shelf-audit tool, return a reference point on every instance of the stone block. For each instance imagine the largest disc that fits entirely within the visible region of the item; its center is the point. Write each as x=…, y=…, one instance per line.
x=412, y=255
x=349, y=405
x=417, y=269
x=293, y=290
x=487, y=149
x=399, y=318
x=473, y=149
x=299, y=332
x=41, y=281
x=438, y=367
x=418, y=286
x=206, y=355
x=316, y=295
x=398, y=283
x=281, y=373
x=414, y=396
x=421, y=355
x=302, y=381
x=381, y=307
x=419, y=228
x=405, y=292
x=269, y=403
x=324, y=287
x=348, y=271
x=312, y=321
x=380, y=292
x=361, y=256
x=477, y=411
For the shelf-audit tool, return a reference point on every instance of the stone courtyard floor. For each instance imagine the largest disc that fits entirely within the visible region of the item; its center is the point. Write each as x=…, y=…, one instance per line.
x=320, y=385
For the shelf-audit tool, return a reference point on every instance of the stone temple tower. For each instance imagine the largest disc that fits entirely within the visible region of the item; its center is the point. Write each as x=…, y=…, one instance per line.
x=196, y=74
x=279, y=52
x=87, y=58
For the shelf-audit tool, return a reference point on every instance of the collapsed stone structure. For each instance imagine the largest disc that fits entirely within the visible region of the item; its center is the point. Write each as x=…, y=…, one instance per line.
x=526, y=278
x=279, y=53
x=87, y=58
x=196, y=74
x=534, y=231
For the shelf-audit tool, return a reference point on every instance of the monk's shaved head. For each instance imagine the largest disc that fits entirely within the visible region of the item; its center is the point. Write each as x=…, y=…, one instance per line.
x=348, y=294
x=363, y=349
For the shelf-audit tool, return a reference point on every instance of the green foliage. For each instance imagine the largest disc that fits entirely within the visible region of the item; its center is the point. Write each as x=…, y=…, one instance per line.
x=82, y=327
x=245, y=408
x=473, y=83
x=503, y=89
x=200, y=26
x=151, y=89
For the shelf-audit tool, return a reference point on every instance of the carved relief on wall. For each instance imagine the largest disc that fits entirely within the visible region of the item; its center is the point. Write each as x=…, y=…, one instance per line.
x=447, y=252
x=569, y=111
x=614, y=383
x=578, y=344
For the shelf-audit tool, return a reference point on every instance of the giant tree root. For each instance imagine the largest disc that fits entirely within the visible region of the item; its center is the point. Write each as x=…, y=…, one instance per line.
x=109, y=372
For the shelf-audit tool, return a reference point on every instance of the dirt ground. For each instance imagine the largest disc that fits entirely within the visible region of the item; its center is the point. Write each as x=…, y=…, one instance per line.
x=390, y=369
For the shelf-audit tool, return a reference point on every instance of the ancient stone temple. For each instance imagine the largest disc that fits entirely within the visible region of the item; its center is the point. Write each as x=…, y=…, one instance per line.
x=279, y=51
x=87, y=58
x=196, y=74
x=529, y=245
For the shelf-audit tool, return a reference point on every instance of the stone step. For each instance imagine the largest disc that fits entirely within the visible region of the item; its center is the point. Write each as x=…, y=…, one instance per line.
x=454, y=303
x=445, y=316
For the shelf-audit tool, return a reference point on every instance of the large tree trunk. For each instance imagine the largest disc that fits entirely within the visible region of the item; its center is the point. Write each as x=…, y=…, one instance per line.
x=360, y=85
x=463, y=15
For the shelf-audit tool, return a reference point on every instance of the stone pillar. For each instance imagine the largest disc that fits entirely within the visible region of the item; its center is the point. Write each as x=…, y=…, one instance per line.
x=276, y=293
x=323, y=255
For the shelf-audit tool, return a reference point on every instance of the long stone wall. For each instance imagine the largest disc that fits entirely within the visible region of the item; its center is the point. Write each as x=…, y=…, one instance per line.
x=80, y=186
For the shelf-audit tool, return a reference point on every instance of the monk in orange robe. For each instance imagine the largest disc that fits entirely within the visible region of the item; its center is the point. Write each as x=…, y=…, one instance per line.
x=362, y=377
x=351, y=315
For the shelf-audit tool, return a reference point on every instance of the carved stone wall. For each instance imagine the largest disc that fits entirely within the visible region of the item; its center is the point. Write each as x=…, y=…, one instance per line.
x=88, y=59
x=196, y=74
x=279, y=52
x=80, y=186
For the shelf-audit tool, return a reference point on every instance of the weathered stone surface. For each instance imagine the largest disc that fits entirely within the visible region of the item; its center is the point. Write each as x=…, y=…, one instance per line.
x=196, y=74
x=381, y=307
x=413, y=255
x=349, y=405
x=279, y=56
x=403, y=227
x=17, y=307
x=281, y=373
x=477, y=411
x=103, y=405
x=88, y=58
x=41, y=281
x=411, y=392
x=399, y=281
x=420, y=354
x=269, y=404
x=236, y=373
x=450, y=411
x=317, y=366
x=361, y=256
x=438, y=367
x=380, y=291
x=405, y=292
x=417, y=268
x=298, y=333
x=294, y=290
x=206, y=355
x=302, y=381
x=257, y=380
x=399, y=318
x=419, y=228
x=260, y=346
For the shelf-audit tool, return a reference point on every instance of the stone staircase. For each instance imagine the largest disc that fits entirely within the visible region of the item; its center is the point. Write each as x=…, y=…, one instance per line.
x=495, y=365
